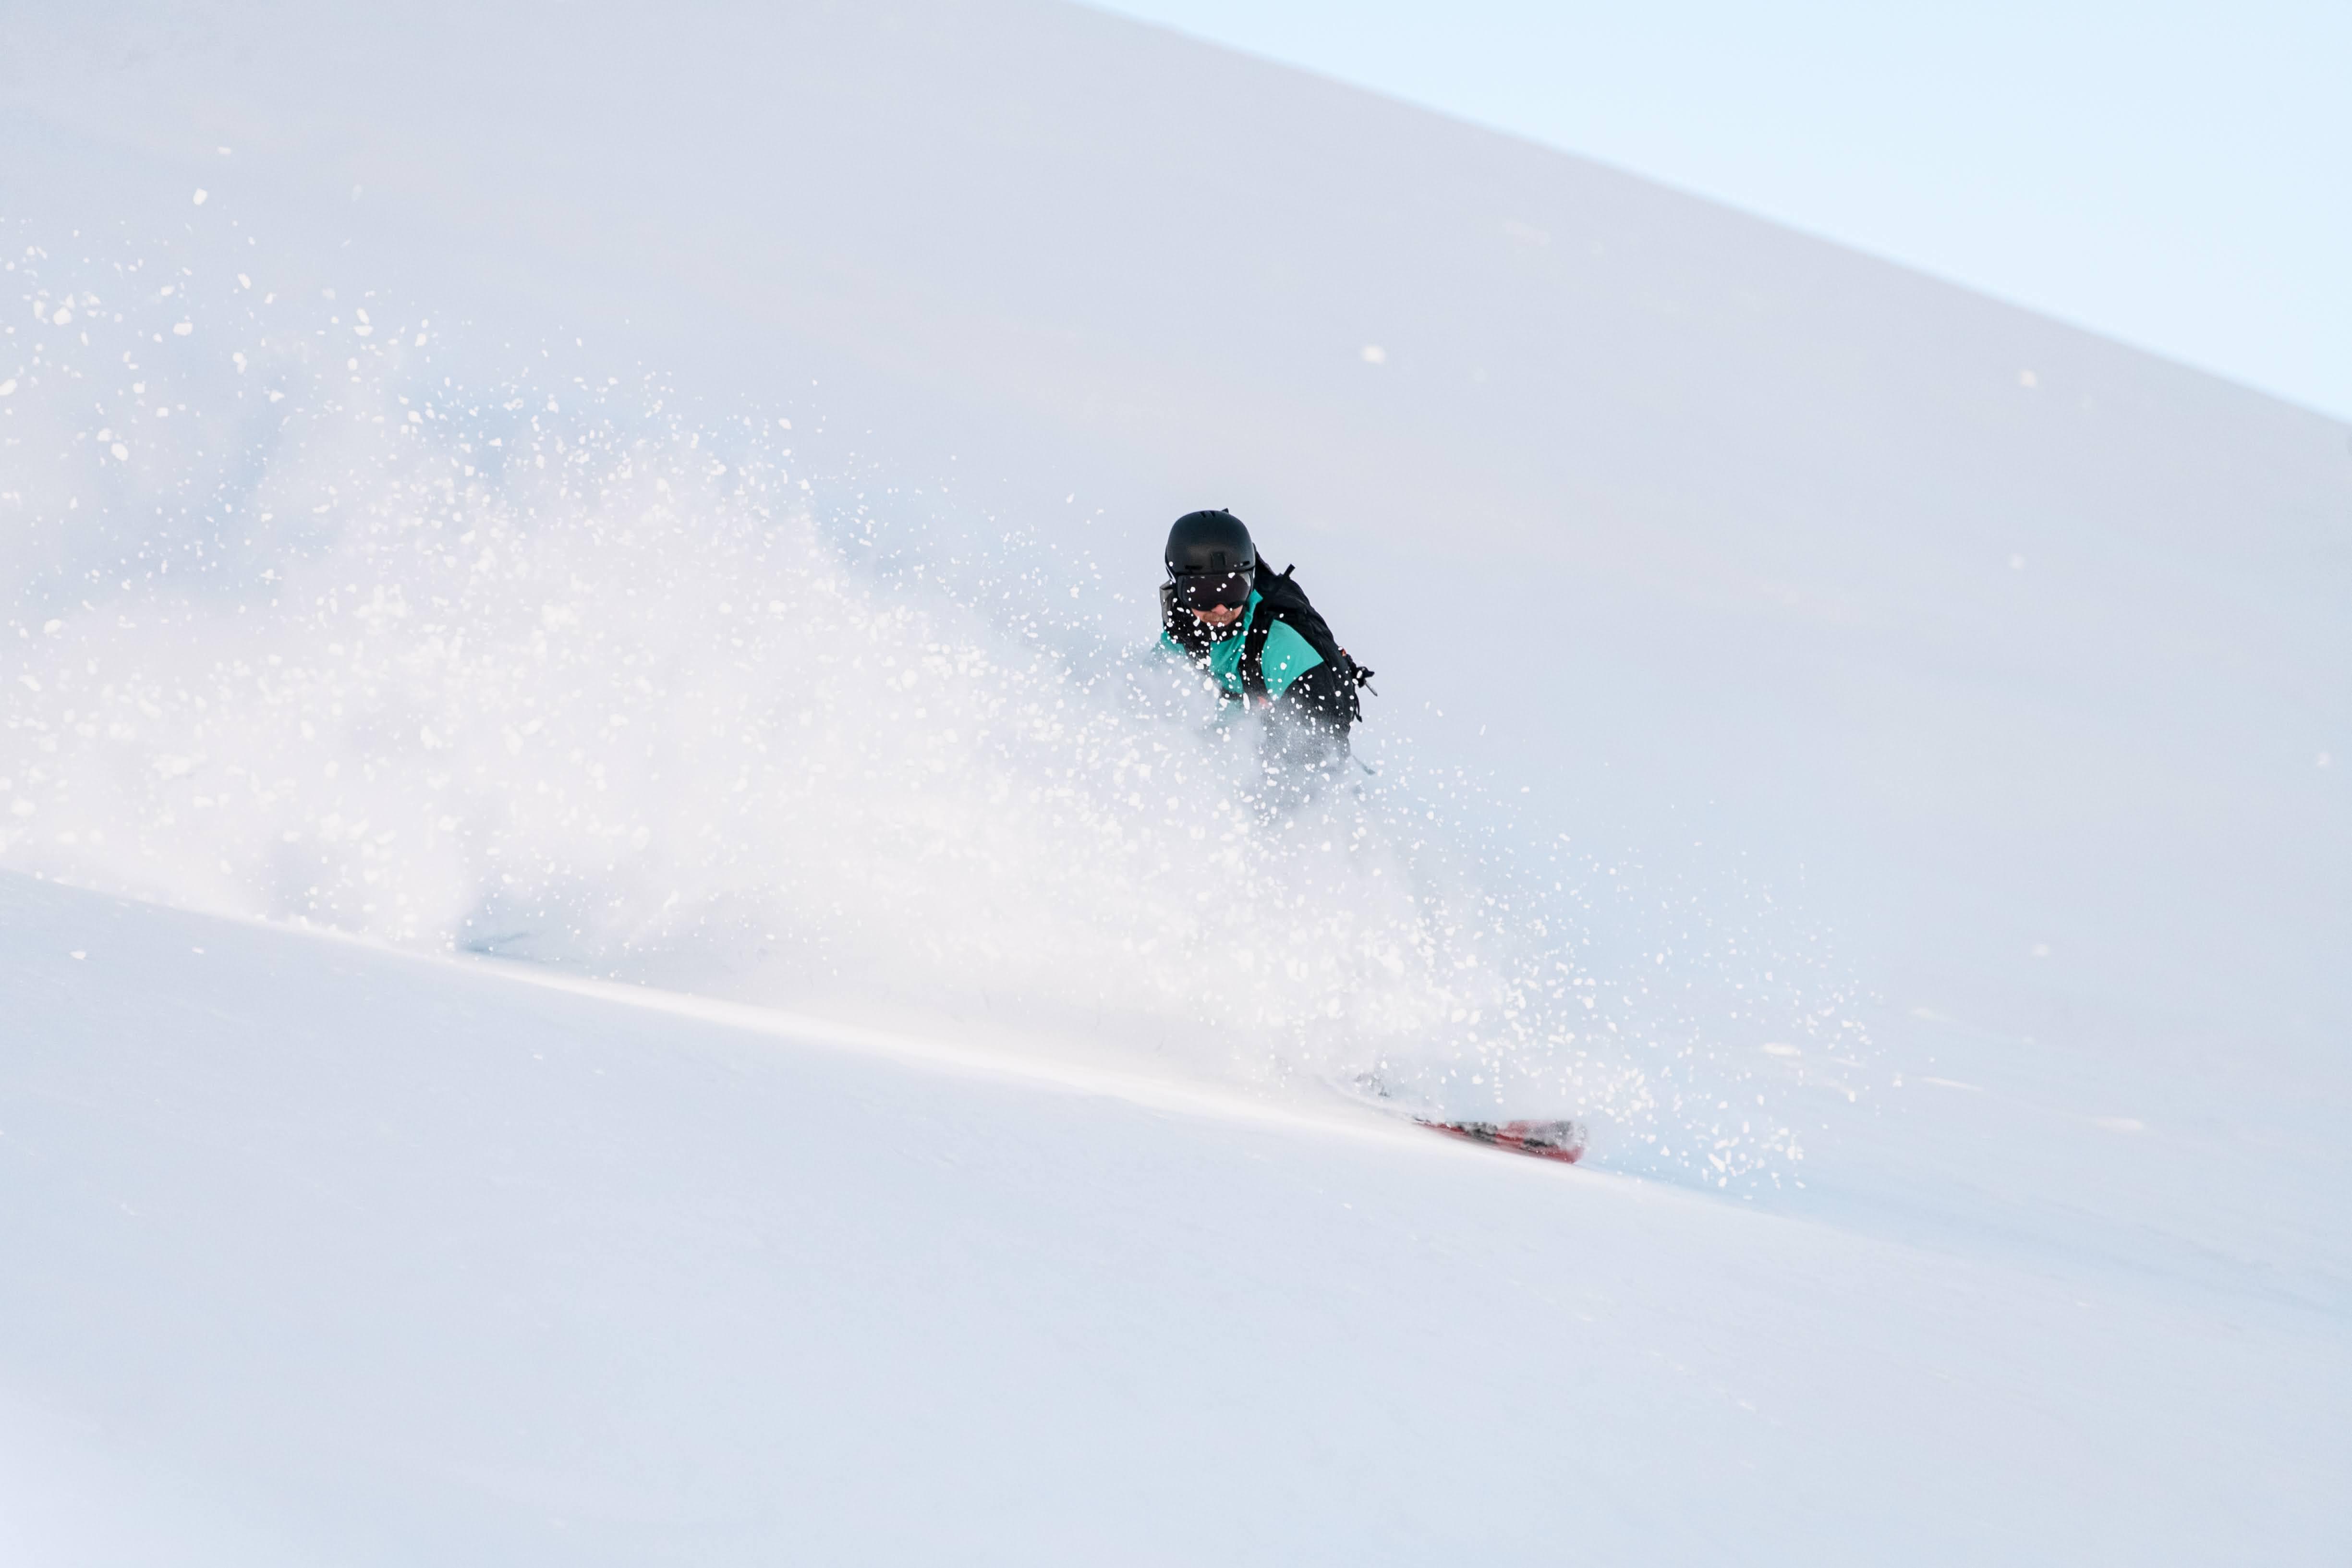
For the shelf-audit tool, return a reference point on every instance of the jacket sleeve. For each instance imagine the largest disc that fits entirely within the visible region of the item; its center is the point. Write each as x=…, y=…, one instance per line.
x=1314, y=702
x=1311, y=719
x=1320, y=696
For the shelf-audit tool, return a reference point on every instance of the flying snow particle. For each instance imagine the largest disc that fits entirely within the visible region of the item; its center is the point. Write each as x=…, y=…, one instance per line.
x=121, y=453
x=8, y=387
x=1375, y=354
x=2027, y=378
x=201, y=195
x=182, y=329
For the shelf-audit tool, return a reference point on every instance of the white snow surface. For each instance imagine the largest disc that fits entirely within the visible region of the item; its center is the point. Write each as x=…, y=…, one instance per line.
x=610, y=949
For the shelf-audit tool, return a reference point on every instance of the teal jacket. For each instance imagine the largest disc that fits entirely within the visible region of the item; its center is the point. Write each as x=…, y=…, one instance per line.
x=1288, y=654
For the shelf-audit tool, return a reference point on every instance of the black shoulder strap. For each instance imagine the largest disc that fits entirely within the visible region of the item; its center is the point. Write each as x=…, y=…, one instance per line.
x=1252, y=670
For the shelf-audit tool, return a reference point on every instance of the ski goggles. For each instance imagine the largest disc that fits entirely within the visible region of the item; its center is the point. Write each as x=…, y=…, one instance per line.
x=1198, y=591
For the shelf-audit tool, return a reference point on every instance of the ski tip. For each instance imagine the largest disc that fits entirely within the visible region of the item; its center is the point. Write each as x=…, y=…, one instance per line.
x=1560, y=1141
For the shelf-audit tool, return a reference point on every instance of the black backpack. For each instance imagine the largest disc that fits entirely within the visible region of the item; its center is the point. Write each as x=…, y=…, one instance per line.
x=1286, y=601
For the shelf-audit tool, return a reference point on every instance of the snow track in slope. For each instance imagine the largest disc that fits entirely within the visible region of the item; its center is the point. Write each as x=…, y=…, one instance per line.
x=330, y=1253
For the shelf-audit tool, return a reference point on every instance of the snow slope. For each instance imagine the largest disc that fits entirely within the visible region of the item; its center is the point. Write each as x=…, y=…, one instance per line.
x=1879, y=755
x=345, y=1256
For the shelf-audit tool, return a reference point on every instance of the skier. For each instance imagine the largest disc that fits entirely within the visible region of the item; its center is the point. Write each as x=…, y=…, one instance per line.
x=1251, y=631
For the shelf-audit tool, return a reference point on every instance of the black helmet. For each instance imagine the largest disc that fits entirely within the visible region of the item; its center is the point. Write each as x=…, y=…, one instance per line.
x=1209, y=542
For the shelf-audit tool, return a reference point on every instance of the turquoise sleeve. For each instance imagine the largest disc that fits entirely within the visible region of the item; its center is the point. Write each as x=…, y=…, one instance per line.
x=1288, y=656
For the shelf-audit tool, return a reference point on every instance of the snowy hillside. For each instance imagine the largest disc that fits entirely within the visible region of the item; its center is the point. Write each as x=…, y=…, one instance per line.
x=640, y=538
x=353, y=1256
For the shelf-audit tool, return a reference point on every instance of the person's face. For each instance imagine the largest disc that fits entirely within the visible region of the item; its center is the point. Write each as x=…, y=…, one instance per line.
x=1217, y=601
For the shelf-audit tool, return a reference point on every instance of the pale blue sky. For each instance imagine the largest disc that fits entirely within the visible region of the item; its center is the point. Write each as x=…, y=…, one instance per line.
x=2176, y=175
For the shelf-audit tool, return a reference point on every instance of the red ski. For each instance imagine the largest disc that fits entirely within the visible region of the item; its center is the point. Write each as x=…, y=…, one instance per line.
x=1562, y=1140
x=1559, y=1139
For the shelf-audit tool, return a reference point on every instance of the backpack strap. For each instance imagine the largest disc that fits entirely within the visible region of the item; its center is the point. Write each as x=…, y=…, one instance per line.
x=1253, y=667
